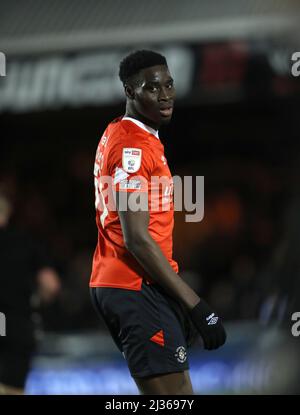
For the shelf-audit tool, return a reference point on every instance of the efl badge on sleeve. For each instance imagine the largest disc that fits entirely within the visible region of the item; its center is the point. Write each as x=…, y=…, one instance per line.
x=131, y=159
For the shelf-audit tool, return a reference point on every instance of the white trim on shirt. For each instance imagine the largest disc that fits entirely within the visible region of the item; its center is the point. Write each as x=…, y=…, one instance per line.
x=143, y=126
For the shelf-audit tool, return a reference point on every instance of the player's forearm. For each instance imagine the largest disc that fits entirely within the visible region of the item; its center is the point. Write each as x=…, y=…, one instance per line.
x=149, y=255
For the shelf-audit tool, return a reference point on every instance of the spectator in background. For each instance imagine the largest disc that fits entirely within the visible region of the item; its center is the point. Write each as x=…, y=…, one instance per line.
x=25, y=272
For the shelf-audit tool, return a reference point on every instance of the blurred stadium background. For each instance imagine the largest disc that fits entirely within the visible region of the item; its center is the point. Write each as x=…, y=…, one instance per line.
x=236, y=123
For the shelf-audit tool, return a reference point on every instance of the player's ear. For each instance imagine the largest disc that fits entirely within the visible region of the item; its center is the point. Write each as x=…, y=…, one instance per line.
x=129, y=91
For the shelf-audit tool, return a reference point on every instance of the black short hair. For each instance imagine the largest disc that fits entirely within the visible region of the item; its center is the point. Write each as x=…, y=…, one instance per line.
x=138, y=60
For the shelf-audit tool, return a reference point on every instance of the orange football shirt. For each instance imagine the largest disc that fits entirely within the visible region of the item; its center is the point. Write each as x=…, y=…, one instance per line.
x=130, y=158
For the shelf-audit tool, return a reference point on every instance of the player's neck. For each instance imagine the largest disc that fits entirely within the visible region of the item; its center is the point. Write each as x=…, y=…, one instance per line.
x=133, y=114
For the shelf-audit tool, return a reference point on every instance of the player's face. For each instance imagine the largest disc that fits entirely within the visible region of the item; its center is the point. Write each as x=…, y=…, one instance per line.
x=154, y=95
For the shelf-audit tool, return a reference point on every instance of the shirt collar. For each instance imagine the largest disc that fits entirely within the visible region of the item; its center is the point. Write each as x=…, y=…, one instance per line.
x=143, y=126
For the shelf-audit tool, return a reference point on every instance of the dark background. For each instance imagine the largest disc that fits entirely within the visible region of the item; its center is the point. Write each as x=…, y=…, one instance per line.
x=247, y=152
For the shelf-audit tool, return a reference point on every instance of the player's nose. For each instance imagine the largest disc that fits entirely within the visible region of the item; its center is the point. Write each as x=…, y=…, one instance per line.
x=165, y=95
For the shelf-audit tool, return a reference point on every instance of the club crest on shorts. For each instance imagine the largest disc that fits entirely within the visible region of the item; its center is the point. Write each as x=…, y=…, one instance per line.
x=131, y=159
x=181, y=354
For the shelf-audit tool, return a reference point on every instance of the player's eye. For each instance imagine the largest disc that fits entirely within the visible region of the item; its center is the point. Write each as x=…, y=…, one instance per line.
x=153, y=88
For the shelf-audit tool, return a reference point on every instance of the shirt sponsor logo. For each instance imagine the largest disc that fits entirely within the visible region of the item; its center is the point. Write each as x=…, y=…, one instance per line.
x=132, y=184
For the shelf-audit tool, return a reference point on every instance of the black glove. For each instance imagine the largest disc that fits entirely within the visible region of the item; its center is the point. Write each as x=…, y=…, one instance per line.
x=209, y=325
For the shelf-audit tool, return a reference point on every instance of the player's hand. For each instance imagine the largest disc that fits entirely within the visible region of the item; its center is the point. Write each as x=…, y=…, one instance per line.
x=209, y=325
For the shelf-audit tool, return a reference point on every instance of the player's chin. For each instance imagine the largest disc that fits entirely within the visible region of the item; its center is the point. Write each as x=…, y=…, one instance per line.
x=165, y=119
